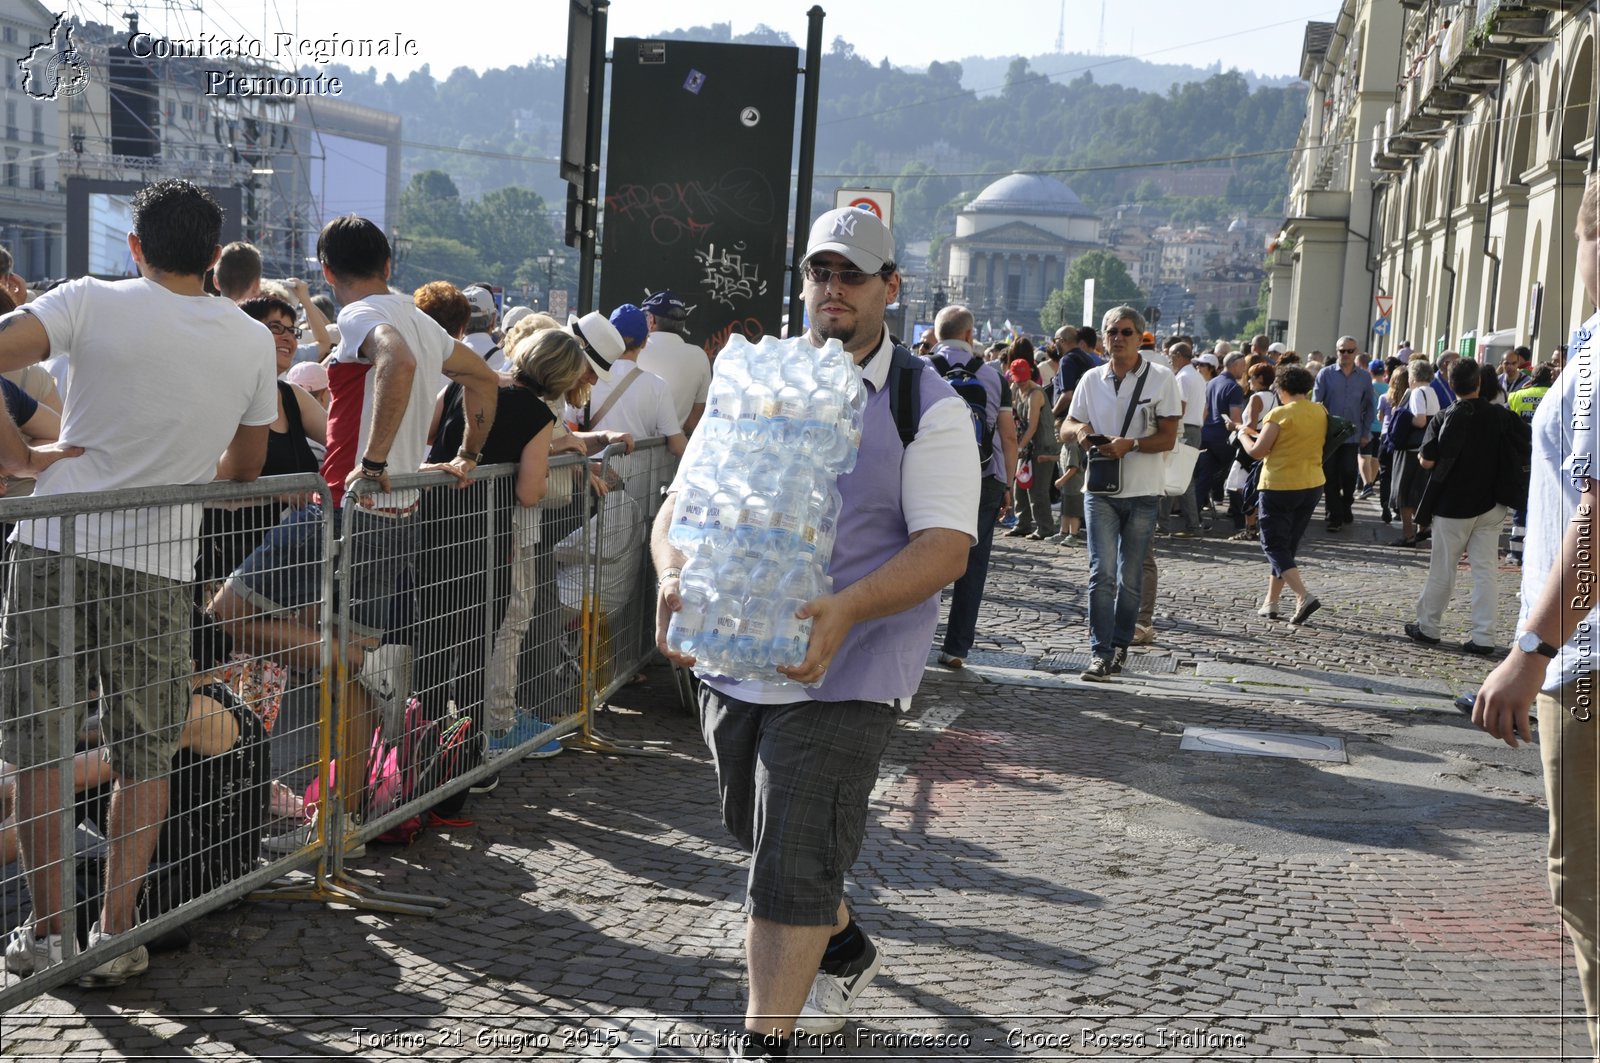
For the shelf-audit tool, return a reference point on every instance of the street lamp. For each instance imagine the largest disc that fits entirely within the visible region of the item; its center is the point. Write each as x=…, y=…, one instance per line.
x=548, y=262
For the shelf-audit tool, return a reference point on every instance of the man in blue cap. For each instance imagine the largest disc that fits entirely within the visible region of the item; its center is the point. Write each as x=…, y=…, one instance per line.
x=669, y=355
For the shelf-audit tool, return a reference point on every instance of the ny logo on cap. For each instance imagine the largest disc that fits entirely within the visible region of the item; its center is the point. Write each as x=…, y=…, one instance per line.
x=845, y=224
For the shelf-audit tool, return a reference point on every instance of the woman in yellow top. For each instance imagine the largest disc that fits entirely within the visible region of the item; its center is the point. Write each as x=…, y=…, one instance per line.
x=1289, y=445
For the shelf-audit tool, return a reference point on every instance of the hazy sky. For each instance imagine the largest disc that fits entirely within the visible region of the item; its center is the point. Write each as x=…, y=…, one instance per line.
x=1260, y=35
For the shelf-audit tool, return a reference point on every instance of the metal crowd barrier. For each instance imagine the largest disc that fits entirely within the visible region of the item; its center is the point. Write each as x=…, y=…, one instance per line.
x=466, y=633
x=84, y=632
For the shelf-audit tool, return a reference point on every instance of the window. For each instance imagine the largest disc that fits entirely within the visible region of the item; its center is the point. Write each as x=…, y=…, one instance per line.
x=9, y=34
x=38, y=176
x=11, y=120
x=11, y=167
x=188, y=112
x=78, y=104
x=172, y=110
x=38, y=124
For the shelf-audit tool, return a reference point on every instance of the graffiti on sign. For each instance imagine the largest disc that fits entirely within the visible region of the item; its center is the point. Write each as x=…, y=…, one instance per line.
x=726, y=276
x=672, y=210
x=750, y=328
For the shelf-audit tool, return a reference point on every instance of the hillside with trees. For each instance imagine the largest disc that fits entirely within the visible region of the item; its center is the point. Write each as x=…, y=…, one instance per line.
x=924, y=133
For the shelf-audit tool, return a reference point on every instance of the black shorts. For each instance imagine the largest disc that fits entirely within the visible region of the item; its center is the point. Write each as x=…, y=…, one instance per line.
x=794, y=781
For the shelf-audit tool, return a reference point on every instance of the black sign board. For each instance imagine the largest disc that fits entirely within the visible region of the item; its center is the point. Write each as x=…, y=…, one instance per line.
x=697, y=181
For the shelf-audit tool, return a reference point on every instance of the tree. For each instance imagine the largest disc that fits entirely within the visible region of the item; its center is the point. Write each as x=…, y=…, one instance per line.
x=435, y=258
x=508, y=226
x=431, y=206
x=1112, y=287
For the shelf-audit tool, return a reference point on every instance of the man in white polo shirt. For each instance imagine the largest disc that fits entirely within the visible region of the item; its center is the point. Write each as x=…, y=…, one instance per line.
x=684, y=367
x=1125, y=415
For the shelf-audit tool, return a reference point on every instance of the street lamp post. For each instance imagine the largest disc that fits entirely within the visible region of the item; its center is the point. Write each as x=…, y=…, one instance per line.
x=548, y=262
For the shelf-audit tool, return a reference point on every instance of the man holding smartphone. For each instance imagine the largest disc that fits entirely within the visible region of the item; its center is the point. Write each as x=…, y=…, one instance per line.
x=1125, y=415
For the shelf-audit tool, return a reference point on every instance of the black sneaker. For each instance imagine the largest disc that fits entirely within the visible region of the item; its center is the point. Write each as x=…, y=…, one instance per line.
x=1099, y=670
x=834, y=992
x=1475, y=649
x=485, y=785
x=1414, y=633
x=1119, y=657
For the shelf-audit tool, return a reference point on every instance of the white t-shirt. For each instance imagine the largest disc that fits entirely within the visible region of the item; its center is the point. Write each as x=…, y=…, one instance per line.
x=1566, y=452
x=1101, y=404
x=160, y=384
x=684, y=367
x=483, y=343
x=430, y=345
x=644, y=410
x=1423, y=400
x=1192, y=386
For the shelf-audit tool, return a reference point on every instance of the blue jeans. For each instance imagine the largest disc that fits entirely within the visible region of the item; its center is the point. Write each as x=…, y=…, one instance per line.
x=1119, y=531
x=967, y=595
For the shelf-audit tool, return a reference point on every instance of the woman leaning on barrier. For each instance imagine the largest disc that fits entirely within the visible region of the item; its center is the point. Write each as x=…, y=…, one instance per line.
x=459, y=567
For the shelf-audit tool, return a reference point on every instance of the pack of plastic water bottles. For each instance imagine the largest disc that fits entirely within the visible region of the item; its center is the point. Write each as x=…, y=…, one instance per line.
x=758, y=502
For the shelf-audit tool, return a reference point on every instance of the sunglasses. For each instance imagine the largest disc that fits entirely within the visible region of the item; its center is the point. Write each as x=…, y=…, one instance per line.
x=1122, y=332
x=850, y=278
x=283, y=330
x=1347, y=350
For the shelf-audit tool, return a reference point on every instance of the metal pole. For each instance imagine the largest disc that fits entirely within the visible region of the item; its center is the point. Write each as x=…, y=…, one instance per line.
x=588, y=240
x=808, y=157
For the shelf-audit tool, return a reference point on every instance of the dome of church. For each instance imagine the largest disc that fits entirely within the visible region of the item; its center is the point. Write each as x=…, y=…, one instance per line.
x=1028, y=193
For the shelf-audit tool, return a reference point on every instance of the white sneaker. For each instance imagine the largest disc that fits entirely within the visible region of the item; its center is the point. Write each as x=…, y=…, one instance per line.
x=386, y=675
x=297, y=838
x=118, y=969
x=834, y=993
x=26, y=953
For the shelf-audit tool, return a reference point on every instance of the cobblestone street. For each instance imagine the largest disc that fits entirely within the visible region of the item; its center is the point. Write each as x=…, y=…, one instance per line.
x=1048, y=874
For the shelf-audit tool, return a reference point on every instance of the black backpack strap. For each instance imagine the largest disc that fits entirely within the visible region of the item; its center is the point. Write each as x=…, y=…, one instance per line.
x=905, y=392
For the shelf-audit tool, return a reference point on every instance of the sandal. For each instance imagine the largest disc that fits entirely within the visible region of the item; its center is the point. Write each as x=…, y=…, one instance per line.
x=1410, y=540
x=1244, y=535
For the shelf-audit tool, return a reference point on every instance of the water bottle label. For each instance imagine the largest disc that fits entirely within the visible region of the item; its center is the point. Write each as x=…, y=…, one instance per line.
x=793, y=409
x=727, y=626
x=757, y=628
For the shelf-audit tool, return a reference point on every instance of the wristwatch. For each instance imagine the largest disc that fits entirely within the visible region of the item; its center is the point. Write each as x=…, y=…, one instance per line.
x=1530, y=642
x=474, y=456
x=1135, y=444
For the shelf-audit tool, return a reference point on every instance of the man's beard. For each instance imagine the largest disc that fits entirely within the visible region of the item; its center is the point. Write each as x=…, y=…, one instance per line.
x=836, y=331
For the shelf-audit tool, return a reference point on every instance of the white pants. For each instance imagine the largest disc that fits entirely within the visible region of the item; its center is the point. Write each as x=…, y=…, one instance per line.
x=1479, y=538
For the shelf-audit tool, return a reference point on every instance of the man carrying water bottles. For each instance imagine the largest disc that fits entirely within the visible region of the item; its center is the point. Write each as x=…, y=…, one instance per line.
x=818, y=729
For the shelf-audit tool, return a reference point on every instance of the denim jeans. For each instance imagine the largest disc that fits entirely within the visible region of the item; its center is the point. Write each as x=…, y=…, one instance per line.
x=1119, y=532
x=967, y=595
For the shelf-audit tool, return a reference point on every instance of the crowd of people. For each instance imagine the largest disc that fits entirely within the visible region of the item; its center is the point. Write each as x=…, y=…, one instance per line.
x=1262, y=437
x=1130, y=436
x=173, y=737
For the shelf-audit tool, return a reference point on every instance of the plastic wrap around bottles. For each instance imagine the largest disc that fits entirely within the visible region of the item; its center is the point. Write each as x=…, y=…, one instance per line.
x=758, y=502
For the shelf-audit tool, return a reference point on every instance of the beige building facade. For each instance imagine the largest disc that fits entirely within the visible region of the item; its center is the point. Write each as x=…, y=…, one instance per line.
x=1471, y=172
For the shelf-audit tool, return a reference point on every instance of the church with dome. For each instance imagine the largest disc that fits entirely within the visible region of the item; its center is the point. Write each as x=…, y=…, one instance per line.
x=1014, y=243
